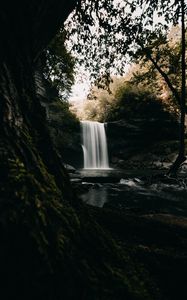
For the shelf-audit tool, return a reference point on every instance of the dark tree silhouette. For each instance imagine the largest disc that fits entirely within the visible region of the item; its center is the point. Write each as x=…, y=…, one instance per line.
x=181, y=155
x=24, y=34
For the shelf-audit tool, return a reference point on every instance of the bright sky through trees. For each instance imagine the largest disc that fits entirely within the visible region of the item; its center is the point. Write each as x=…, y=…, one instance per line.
x=82, y=83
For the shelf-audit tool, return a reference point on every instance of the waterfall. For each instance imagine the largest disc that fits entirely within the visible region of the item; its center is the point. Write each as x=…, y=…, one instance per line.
x=94, y=145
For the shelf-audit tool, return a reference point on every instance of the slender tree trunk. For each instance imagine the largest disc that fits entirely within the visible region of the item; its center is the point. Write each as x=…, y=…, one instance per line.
x=181, y=155
x=173, y=90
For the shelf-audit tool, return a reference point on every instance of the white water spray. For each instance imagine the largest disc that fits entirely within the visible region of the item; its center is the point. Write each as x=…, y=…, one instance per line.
x=94, y=145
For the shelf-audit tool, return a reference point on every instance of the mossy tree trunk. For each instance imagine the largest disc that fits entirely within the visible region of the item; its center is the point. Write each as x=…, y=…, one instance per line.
x=33, y=182
x=25, y=29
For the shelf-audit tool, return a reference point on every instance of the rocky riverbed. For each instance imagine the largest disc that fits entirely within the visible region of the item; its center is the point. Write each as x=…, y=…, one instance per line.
x=132, y=190
x=145, y=212
x=140, y=194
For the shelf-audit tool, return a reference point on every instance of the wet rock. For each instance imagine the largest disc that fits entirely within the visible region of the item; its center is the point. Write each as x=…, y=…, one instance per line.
x=76, y=180
x=69, y=168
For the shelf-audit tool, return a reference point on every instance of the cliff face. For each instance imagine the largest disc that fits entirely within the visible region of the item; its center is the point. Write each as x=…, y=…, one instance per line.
x=138, y=143
x=64, y=127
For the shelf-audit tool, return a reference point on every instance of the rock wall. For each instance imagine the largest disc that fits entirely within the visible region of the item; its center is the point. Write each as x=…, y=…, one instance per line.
x=64, y=127
x=142, y=143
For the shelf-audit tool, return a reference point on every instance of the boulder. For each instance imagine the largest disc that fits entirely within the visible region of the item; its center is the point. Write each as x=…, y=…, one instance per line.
x=69, y=168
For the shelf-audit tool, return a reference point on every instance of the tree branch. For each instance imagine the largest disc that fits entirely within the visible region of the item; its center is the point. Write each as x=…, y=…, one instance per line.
x=166, y=78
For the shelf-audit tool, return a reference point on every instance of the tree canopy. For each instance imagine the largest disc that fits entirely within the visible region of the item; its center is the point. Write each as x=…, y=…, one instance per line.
x=108, y=33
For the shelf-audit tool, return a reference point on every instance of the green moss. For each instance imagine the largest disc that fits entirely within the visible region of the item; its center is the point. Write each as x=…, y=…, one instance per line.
x=56, y=247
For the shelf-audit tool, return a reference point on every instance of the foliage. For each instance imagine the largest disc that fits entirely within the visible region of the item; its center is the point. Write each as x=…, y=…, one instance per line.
x=108, y=33
x=98, y=102
x=158, y=66
x=128, y=99
x=63, y=125
x=137, y=102
x=122, y=28
x=59, y=65
x=172, y=72
x=166, y=51
x=159, y=63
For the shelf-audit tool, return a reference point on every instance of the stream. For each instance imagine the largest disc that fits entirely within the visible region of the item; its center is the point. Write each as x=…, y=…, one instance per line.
x=132, y=191
x=146, y=191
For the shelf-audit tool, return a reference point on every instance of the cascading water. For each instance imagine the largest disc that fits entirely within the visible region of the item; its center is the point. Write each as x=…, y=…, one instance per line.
x=94, y=145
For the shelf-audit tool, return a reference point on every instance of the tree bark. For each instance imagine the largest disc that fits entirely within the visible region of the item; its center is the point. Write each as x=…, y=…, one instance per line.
x=34, y=186
x=165, y=77
x=181, y=155
x=26, y=27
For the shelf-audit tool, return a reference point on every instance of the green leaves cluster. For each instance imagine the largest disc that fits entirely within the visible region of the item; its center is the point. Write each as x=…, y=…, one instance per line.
x=108, y=33
x=128, y=101
x=138, y=102
x=59, y=65
x=159, y=64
